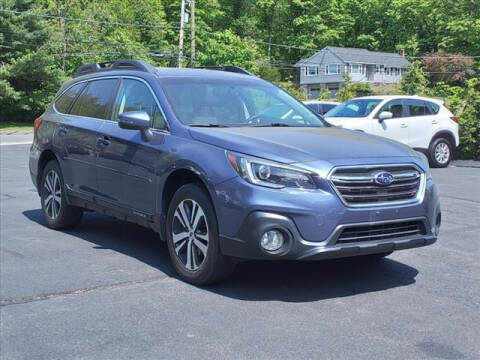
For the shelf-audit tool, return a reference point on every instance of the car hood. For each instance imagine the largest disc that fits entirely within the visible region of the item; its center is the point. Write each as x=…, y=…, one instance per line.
x=301, y=144
x=341, y=120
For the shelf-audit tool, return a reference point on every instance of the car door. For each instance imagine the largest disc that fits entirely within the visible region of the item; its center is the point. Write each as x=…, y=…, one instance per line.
x=78, y=133
x=395, y=128
x=127, y=162
x=420, y=122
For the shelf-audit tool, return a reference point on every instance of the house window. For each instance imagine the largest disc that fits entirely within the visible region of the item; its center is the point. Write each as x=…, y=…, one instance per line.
x=377, y=69
x=311, y=71
x=394, y=71
x=355, y=68
x=332, y=69
x=387, y=71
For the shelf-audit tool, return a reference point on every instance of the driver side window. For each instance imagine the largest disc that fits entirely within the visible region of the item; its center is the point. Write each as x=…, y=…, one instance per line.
x=134, y=95
x=395, y=107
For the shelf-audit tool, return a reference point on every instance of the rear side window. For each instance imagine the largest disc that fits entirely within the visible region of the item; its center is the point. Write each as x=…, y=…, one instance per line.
x=62, y=104
x=135, y=96
x=434, y=108
x=395, y=107
x=95, y=100
x=416, y=107
x=313, y=107
x=327, y=107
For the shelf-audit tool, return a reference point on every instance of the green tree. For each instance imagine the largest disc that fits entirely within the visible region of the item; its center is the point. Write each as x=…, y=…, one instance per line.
x=414, y=81
x=324, y=95
x=469, y=121
x=348, y=90
x=29, y=75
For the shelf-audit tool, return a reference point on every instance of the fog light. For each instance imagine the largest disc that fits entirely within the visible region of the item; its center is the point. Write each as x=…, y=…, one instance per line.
x=272, y=240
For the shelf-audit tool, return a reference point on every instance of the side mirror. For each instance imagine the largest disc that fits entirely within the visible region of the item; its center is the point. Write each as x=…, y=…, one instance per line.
x=384, y=115
x=136, y=120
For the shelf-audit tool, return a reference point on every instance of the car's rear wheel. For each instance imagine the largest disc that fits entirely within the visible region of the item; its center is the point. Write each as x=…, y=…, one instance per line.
x=441, y=153
x=56, y=211
x=192, y=238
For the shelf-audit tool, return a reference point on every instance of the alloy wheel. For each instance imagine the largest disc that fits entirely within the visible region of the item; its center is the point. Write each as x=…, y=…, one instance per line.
x=53, y=194
x=442, y=153
x=190, y=234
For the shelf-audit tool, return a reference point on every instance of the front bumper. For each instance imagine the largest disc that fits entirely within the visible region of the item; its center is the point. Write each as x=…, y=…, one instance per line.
x=246, y=244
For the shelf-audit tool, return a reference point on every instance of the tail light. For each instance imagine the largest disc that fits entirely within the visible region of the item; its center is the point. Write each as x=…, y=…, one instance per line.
x=37, y=123
x=454, y=119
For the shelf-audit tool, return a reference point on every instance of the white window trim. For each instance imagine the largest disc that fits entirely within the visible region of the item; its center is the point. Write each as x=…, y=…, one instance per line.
x=359, y=68
x=327, y=72
x=306, y=71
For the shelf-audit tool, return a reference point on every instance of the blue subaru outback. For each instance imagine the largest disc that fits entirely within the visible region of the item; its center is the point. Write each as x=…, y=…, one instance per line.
x=225, y=167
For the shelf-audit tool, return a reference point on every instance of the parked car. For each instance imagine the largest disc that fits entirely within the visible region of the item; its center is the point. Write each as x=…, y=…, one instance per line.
x=194, y=155
x=320, y=107
x=422, y=123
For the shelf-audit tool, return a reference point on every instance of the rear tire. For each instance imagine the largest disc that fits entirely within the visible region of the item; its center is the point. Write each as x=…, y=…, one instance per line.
x=56, y=211
x=192, y=238
x=440, y=153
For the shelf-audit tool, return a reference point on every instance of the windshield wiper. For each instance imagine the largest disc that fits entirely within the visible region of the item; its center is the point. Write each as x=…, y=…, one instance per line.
x=273, y=124
x=208, y=125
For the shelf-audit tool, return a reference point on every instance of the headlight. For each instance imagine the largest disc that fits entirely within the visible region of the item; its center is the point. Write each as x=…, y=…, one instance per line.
x=269, y=173
x=424, y=158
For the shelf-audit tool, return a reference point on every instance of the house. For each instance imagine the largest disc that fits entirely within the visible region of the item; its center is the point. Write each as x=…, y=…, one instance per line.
x=326, y=68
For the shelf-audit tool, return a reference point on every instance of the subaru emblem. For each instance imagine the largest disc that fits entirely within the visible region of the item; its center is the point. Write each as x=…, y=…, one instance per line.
x=383, y=178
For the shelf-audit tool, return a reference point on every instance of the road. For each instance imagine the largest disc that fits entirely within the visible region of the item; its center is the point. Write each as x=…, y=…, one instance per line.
x=106, y=290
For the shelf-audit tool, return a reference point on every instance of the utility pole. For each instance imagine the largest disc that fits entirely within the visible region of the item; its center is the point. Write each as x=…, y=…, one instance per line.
x=192, y=32
x=180, y=38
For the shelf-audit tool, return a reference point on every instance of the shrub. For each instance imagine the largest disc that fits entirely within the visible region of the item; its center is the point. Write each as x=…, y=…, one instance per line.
x=469, y=122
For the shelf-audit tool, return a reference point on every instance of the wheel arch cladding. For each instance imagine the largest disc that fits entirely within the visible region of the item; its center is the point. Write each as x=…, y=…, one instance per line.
x=446, y=135
x=177, y=179
x=45, y=158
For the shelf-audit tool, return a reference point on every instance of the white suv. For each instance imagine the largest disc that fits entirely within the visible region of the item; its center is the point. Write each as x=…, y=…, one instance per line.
x=422, y=123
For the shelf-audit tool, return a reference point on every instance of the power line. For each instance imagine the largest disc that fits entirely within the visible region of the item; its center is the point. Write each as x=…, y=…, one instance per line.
x=48, y=16
x=216, y=34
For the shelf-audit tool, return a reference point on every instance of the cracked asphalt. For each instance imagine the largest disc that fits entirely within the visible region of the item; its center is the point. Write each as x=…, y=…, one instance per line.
x=106, y=290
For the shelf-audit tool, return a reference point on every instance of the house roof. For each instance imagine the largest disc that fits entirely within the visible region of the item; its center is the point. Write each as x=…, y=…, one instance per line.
x=355, y=55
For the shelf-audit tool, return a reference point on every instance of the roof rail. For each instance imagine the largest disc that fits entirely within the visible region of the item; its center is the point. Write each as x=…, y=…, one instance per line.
x=229, y=68
x=136, y=65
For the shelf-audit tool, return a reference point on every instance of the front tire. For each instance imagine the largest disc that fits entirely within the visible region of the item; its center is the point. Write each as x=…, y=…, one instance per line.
x=440, y=153
x=56, y=211
x=192, y=238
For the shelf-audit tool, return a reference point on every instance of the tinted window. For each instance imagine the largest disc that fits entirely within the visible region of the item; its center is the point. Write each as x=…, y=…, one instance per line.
x=135, y=96
x=65, y=100
x=327, y=107
x=95, y=99
x=395, y=107
x=235, y=102
x=434, y=108
x=354, y=108
x=313, y=107
x=416, y=107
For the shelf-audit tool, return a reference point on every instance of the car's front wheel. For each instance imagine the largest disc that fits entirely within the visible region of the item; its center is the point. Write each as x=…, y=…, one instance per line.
x=192, y=238
x=57, y=212
x=441, y=153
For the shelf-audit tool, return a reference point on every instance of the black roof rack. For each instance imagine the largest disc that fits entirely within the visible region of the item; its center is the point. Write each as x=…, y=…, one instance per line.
x=137, y=65
x=229, y=68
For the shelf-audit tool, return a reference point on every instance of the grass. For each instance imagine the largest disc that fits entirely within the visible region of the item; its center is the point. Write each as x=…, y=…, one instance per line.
x=7, y=127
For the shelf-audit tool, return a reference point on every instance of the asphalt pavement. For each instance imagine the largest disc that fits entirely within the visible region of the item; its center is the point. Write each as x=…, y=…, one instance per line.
x=106, y=290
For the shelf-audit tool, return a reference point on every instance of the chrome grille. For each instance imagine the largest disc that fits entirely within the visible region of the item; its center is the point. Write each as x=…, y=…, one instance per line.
x=377, y=232
x=357, y=186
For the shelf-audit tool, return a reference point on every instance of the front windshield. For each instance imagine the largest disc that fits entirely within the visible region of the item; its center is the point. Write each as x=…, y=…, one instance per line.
x=354, y=108
x=239, y=102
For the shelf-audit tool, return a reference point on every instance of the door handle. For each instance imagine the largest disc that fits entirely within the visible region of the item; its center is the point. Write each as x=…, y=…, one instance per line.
x=103, y=141
x=403, y=125
x=62, y=130
x=434, y=121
